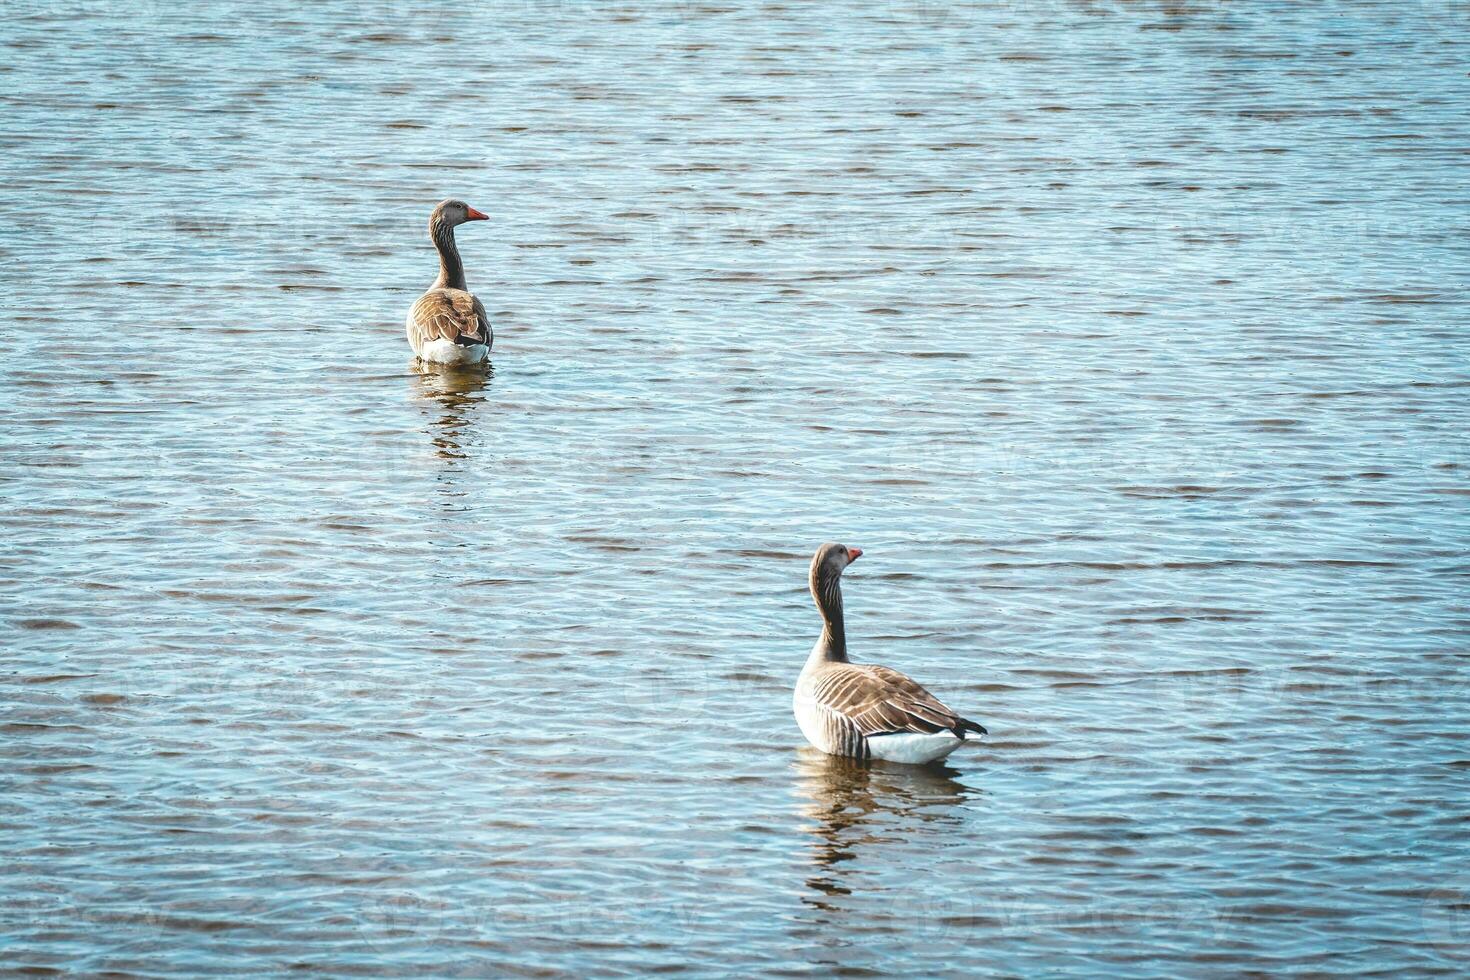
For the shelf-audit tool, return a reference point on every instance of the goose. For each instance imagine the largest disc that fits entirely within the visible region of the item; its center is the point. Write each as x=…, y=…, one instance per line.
x=862, y=710
x=448, y=325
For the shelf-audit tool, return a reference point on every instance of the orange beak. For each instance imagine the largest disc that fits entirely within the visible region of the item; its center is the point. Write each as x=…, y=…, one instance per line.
x=853, y=554
x=472, y=215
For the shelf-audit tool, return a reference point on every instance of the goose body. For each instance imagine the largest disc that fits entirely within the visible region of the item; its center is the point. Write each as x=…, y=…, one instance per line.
x=865, y=711
x=448, y=324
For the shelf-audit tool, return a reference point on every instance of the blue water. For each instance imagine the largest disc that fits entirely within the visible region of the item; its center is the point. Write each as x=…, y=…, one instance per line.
x=1129, y=340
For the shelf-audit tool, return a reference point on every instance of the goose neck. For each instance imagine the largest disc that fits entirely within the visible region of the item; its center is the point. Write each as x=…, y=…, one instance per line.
x=451, y=269
x=832, y=645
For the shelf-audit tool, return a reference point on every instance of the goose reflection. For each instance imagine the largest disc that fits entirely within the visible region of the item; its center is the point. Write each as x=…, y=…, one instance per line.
x=859, y=807
x=453, y=396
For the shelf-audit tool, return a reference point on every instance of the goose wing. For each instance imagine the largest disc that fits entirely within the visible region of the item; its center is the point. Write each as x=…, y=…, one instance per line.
x=487, y=333
x=450, y=314
x=881, y=701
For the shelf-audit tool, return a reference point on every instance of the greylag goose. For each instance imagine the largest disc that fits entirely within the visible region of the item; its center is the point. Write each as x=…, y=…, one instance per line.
x=448, y=325
x=863, y=710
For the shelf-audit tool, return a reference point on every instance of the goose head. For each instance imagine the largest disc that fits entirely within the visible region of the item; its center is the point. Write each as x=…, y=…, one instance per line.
x=830, y=561
x=454, y=212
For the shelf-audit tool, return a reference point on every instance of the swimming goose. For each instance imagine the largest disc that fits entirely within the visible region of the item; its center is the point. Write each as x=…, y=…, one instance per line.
x=448, y=325
x=863, y=710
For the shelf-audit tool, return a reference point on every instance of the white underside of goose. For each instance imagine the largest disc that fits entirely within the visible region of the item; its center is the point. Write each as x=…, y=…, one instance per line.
x=913, y=747
x=443, y=351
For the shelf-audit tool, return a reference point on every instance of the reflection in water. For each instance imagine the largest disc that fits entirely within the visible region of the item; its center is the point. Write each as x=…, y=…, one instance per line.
x=454, y=394
x=865, y=807
x=451, y=398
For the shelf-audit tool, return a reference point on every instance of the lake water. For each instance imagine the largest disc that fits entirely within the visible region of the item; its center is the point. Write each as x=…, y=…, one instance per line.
x=1128, y=339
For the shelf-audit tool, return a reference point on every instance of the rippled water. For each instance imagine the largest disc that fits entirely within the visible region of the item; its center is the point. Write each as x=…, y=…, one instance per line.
x=1128, y=339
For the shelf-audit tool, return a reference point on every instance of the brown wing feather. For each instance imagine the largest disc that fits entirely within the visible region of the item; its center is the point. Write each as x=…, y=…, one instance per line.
x=487, y=333
x=450, y=313
x=880, y=700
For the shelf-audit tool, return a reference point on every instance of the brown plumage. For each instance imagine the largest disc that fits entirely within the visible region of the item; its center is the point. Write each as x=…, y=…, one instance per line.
x=878, y=699
x=450, y=314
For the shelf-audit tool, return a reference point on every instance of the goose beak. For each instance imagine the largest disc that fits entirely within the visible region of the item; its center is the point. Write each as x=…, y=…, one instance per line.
x=853, y=554
x=472, y=215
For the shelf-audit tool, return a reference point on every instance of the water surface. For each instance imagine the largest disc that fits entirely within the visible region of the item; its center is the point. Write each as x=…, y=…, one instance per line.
x=1127, y=339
